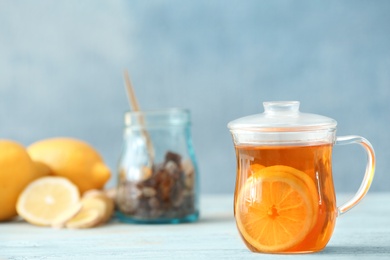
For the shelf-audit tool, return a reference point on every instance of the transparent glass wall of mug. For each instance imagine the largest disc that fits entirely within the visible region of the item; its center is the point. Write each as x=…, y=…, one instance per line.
x=284, y=198
x=295, y=183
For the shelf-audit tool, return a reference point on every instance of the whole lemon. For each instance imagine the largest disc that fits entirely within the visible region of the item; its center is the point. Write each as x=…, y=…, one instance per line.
x=16, y=171
x=73, y=159
x=41, y=169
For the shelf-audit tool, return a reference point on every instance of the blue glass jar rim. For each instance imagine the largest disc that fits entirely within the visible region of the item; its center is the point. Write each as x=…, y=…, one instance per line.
x=158, y=117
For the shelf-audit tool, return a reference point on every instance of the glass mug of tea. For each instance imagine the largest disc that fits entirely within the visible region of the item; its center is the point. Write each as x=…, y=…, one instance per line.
x=284, y=199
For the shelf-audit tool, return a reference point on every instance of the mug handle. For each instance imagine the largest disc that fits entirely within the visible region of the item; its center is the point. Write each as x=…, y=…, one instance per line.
x=369, y=174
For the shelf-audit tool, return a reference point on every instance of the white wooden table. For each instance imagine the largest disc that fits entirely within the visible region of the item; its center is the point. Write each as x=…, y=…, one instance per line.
x=362, y=233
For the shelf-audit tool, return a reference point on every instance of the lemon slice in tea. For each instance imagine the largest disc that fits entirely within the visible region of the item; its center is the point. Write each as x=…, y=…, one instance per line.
x=274, y=210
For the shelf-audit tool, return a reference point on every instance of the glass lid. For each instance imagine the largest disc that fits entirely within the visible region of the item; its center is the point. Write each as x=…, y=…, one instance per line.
x=282, y=116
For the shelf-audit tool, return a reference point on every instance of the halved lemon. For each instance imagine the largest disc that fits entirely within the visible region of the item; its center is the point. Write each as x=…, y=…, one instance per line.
x=46, y=199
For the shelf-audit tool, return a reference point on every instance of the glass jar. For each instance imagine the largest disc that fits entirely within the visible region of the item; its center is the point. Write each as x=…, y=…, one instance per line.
x=158, y=176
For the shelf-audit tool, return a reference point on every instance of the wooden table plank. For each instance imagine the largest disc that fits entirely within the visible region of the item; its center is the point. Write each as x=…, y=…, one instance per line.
x=362, y=233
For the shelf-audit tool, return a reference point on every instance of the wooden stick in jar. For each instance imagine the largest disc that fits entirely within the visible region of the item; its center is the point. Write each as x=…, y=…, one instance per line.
x=135, y=107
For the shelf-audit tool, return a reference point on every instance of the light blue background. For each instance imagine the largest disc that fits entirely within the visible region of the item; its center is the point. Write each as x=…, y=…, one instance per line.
x=61, y=65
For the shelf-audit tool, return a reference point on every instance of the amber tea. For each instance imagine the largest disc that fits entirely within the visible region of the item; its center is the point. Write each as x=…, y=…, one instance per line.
x=284, y=199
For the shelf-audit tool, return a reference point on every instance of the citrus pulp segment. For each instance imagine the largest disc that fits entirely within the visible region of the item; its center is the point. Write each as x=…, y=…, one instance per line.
x=45, y=199
x=309, y=183
x=274, y=210
x=85, y=219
